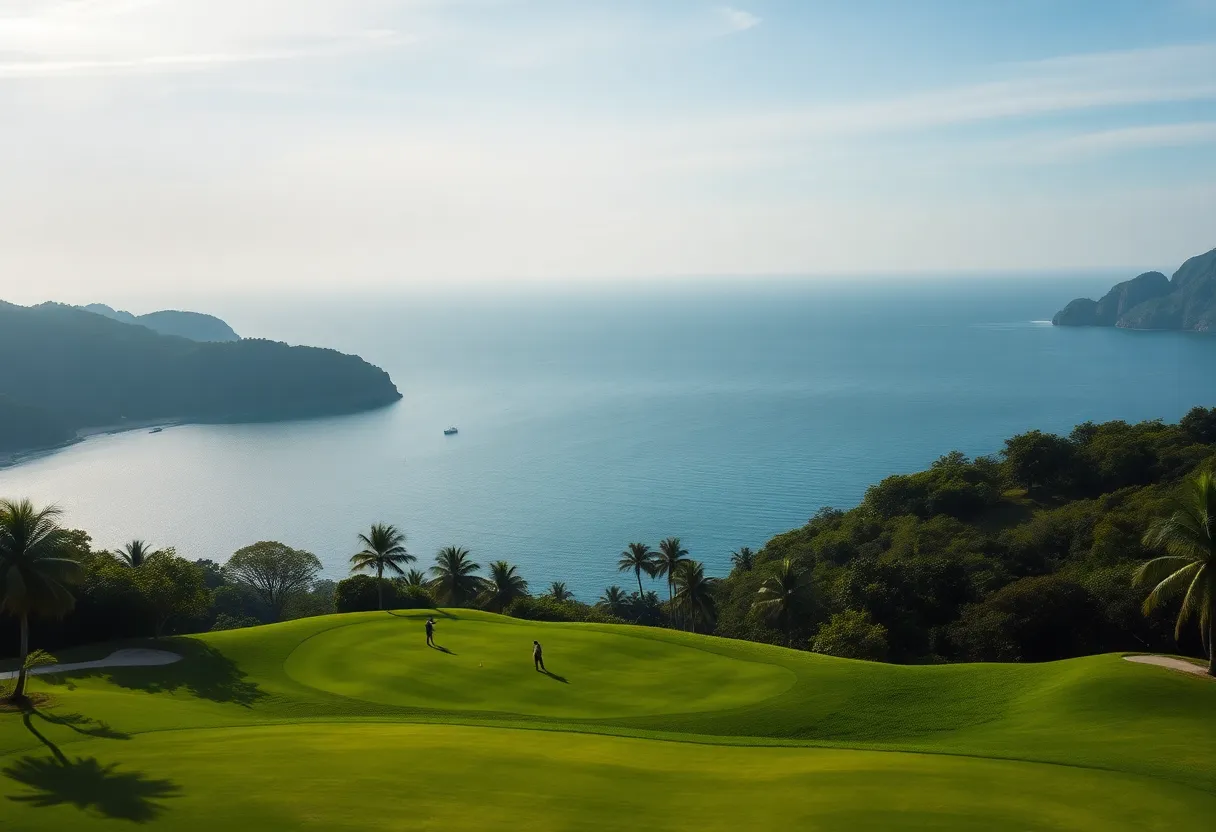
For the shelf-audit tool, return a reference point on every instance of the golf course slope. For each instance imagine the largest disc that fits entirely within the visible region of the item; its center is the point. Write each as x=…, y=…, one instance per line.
x=350, y=722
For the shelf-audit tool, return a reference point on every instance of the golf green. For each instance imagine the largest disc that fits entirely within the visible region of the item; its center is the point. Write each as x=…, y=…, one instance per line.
x=487, y=666
x=351, y=722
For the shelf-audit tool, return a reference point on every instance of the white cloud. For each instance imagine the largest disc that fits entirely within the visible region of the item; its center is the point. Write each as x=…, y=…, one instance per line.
x=82, y=37
x=738, y=20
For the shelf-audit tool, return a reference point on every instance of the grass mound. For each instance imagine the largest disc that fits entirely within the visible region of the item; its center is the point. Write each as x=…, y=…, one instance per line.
x=353, y=723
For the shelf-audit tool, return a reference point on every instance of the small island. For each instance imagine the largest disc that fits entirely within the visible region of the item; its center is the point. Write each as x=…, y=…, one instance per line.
x=75, y=372
x=1187, y=301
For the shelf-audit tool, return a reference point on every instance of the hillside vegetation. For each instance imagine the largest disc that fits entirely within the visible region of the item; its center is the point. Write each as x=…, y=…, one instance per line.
x=73, y=369
x=351, y=722
x=1028, y=556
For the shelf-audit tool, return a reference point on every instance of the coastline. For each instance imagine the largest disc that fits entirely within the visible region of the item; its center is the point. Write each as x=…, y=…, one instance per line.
x=9, y=459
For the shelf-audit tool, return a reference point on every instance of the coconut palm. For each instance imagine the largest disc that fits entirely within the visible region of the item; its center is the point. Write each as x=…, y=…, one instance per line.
x=1188, y=537
x=504, y=585
x=614, y=601
x=135, y=553
x=782, y=593
x=637, y=558
x=454, y=582
x=36, y=570
x=558, y=592
x=743, y=559
x=671, y=554
x=415, y=578
x=694, y=598
x=384, y=548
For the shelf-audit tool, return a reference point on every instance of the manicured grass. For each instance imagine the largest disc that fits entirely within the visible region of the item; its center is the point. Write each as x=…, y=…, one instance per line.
x=352, y=723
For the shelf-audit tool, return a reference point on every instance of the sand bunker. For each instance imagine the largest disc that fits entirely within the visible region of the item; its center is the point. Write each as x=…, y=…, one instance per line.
x=1170, y=662
x=133, y=657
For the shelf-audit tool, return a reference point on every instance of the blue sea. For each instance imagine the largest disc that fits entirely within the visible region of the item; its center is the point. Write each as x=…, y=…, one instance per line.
x=722, y=414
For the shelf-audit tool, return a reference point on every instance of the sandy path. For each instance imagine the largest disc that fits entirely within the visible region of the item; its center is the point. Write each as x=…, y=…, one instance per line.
x=136, y=657
x=1170, y=662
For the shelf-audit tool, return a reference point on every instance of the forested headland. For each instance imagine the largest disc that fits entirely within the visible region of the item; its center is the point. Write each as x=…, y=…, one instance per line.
x=68, y=369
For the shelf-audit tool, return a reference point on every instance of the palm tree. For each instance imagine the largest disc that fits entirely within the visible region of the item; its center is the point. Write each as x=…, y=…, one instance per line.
x=504, y=585
x=558, y=592
x=384, y=548
x=671, y=554
x=454, y=582
x=135, y=553
x=1188, y=537
x=782, y=593
x=637, y=559
x=694, y=596
x=415, y=578
x=614, y=601
x=35, y=570
x=743, y=559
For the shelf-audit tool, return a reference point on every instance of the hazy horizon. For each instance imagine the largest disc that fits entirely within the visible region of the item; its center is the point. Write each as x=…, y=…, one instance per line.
x=363, y=145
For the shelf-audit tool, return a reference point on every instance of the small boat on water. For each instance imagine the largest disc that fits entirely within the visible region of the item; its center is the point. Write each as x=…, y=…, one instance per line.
x=450, y=432
x=156, y=430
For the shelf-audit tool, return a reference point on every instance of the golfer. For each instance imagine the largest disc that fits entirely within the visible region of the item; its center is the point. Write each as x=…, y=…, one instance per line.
x=537, y=659
x=430, y=632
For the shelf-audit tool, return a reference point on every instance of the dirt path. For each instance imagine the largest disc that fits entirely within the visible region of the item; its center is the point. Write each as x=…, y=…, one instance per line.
x=119, y=658
x=1170, y=662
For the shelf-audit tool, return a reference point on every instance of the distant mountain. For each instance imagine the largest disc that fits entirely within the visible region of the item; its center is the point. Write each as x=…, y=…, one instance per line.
x=67, y=369
x=193, y=325
x=1150, y=301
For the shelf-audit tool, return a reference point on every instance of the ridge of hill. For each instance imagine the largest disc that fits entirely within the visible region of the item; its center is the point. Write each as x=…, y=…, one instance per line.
x=78, y=370
x=1151, y=301
x=193, y=325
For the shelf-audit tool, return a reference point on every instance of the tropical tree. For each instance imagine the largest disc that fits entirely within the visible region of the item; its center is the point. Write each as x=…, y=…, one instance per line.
x=35, y=571
x=503, y=586
x=454, y=582
x=782, y=593
x=671, y=554
x=637, y=558
x=694, y=597
x=134, y=554
x=614, y=601
x=383, y=548
x=558, y=592
x=1188, y=536
x=415, y=577
x=172, y=587
x=743, y=559
x=274, y=572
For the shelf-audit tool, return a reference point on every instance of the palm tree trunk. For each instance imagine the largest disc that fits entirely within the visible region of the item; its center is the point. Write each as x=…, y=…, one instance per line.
x=638, y=573
x=19, y=691
x=1211, y=641
x=380, y=585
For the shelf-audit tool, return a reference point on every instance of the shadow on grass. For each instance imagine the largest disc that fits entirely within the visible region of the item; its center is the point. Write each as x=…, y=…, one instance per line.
x=81, y=724
x=555, y=677
x=441, y=649
x=85, y=782
x=203, y=671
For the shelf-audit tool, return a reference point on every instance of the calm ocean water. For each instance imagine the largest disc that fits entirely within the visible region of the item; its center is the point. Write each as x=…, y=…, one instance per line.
x=722, y=415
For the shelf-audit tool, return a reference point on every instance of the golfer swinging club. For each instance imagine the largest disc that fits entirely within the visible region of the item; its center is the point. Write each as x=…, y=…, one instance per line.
x=537, y=659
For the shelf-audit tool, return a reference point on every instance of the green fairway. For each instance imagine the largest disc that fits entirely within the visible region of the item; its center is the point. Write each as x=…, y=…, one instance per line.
x=352, y=723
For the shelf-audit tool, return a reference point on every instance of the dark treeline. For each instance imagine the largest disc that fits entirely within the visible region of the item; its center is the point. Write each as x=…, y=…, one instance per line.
x=74, y=369
x=1029, y=556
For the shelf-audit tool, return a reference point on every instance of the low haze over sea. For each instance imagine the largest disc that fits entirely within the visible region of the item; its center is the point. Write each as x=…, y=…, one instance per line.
x=722, y=415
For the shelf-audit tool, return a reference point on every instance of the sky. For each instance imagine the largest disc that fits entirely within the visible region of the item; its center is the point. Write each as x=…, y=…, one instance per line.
x=343, y=145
